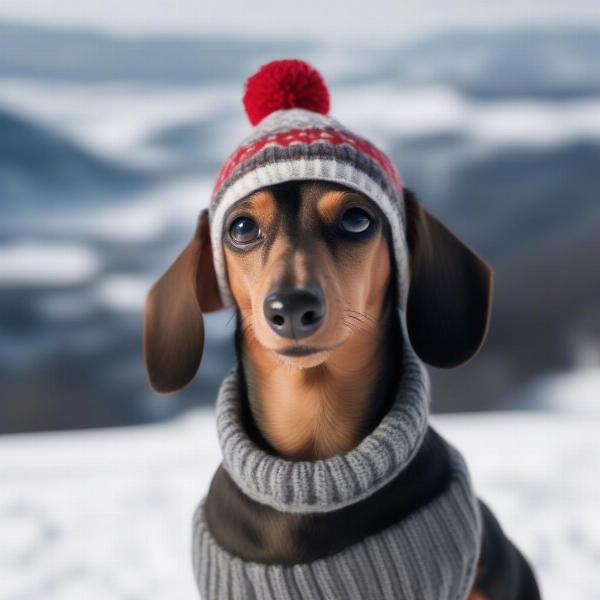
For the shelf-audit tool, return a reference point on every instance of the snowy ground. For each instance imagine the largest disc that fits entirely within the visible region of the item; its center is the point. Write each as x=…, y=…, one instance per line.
x=105, y=515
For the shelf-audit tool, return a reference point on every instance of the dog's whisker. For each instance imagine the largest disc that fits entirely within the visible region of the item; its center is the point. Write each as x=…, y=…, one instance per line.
x=359, y=319
x=356, y=329
x=366, y=327
x=358, y=322
x=351, y=326
x=363, y=317
x=362, y=314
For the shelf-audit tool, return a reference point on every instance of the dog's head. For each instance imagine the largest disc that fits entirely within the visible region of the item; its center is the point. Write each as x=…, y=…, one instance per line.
x=310, y=268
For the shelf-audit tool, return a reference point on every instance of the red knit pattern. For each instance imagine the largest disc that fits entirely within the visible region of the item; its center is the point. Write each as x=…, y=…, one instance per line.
x=307, y=136
x=285, y=84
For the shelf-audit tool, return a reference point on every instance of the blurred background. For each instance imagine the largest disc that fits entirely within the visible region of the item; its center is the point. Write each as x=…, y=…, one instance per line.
x=115, y=118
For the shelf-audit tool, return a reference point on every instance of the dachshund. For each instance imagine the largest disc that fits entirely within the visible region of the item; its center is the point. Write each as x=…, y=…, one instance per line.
x=312, y=273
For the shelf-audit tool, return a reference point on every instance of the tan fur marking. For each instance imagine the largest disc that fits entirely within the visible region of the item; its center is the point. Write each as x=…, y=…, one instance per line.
x=329, y=203
x=261, y=204
x=315, y=406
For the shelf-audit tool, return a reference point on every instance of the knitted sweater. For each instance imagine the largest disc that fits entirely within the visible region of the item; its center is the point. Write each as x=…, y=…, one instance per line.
x=422, y=547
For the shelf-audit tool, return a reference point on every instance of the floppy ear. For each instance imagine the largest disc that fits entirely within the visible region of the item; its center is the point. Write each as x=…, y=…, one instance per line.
x=449, y=299
x=173, y=327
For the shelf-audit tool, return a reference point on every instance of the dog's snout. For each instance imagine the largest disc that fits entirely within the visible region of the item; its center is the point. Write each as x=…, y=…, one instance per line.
x=295, y=313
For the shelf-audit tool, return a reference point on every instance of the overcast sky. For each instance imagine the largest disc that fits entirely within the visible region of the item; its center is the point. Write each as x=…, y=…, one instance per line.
x=366, y=20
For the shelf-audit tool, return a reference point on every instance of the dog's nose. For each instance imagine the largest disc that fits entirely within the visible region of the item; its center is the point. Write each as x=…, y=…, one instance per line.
x=295, y=313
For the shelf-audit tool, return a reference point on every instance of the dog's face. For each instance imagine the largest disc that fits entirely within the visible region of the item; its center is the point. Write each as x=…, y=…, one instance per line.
x=308, y=266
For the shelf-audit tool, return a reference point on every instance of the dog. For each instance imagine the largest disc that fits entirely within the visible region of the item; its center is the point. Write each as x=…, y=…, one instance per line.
x=333, y=484
x=312, y=273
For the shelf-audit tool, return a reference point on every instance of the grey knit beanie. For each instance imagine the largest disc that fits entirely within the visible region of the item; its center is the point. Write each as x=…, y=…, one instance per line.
x=295, y=138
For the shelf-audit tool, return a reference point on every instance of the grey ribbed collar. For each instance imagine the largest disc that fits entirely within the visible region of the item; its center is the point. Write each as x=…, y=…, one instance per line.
x=331, y=484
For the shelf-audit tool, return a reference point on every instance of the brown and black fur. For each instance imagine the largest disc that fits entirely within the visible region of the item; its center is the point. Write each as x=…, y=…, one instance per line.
x=353, y=355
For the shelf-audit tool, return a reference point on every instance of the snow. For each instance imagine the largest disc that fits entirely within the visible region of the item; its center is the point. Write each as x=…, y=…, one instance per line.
x=124, y=293
x=574, y=391
x=438, y=109
x=36, y=263
x=102, y=514
x=105, y=515
x=141, y=217
x=538, y=471
x=117, y=121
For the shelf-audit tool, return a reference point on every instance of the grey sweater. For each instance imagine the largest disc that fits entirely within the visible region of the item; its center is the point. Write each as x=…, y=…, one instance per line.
x=428, y=554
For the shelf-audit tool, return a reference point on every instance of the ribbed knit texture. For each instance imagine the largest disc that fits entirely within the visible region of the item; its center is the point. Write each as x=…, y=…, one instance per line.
x=429, y=555
x=325, y=485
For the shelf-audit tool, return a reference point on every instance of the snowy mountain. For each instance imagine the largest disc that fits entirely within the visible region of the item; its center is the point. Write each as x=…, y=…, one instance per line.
x=92, y=56
x=39, y=167
x=522, y=62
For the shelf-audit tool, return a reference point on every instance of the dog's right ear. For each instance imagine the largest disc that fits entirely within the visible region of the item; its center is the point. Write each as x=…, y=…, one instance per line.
x=173, y=326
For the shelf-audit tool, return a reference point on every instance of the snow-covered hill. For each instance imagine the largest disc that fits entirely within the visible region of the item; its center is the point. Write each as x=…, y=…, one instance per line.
x=105, y=515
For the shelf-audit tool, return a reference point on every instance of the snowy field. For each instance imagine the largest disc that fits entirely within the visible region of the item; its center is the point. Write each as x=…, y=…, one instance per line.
x=105, y=515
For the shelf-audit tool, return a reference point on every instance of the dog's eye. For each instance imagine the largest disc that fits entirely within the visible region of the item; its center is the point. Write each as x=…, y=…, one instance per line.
x=244, y=230
x=355, y=220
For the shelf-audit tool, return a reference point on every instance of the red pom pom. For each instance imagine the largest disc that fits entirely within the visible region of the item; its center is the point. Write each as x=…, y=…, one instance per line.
x=285, y=84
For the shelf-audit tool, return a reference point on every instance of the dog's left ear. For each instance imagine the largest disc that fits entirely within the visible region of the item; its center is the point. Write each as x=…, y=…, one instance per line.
x=449, y=299
x=173, y=325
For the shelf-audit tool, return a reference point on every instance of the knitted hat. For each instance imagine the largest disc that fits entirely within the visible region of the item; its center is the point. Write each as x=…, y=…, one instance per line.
x=294, y=138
